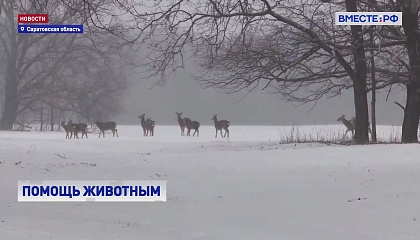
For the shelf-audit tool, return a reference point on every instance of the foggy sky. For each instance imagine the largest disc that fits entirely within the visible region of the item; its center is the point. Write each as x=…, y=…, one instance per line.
x=184, y=94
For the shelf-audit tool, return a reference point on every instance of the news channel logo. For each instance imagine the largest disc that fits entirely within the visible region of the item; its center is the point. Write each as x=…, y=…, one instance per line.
x=92, y=191
x=368, y=18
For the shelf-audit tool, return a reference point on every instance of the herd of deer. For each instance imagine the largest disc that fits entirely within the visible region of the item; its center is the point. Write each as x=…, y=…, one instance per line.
x=189, y=124
x=148, y=125
x=72, y=129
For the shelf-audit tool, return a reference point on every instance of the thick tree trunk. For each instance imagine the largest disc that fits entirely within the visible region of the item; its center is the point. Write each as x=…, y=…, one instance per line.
x=412, y=108
x=10, y=108
x=362, y=115
x=359, y=81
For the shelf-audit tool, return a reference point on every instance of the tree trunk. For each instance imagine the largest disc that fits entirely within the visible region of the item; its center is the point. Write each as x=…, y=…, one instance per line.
x=359, y=81
x=42, y=117
x=362, y=115
x=52, y=118
x=412, y=108
x=8, y=116
x=373, y=102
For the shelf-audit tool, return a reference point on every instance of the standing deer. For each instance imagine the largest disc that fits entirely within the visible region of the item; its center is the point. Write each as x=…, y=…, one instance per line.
x=79, y=127
x=143, y=124
x=349, y=125
x=181, y=123
x=191, y=125
x=150, y=125
x=219, y=125
x=103, y=126
x=69, y=128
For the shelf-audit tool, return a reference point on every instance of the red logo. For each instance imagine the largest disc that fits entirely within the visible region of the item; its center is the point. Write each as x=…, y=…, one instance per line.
x=32, y=18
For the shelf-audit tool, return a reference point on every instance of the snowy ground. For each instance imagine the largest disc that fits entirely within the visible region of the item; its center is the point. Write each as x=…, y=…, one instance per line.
x=251, y=187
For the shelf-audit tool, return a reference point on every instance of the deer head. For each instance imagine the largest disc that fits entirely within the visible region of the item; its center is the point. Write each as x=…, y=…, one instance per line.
x=343, y=117
x=142, y=116
x=214, y=117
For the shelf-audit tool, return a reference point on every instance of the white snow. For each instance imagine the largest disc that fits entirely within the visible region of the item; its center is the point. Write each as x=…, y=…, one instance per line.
x=251, y=187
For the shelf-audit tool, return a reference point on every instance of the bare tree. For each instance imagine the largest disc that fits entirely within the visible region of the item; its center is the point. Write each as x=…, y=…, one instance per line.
x=410, y=36
x=411, y=15
x=212, y=29
x=290, y=45
x=45, y=69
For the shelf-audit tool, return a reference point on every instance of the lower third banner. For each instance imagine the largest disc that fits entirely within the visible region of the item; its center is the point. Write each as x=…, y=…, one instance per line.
x=30, y=28
x=92, y=191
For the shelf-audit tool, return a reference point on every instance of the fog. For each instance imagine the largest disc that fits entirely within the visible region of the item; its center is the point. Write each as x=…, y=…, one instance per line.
x=182, y=93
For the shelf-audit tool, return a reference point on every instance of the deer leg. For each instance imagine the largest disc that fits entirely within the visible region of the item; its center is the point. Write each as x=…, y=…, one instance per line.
x=116, y=132
x=226, y=132
x=216, y=133
x=345, y=134
x=100, y=133
x=197, y=132
x=221, y=133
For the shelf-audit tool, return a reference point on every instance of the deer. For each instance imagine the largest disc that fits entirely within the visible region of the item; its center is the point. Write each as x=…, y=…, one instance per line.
x=191, y=125
x=221, y=124
x=349, y=124
x=69, y=128
x=79, y=127
x=150, y=125
x=143, y=124
x=181, y=123
x=103, y=126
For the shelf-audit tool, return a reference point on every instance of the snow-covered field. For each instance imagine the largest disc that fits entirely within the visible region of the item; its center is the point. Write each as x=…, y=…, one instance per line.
x=250, y=187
